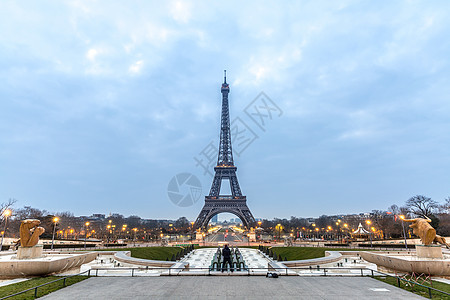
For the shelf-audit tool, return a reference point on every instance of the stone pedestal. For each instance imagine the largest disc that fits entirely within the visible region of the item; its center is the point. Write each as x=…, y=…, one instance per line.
x=30, y=252
x=430, y=251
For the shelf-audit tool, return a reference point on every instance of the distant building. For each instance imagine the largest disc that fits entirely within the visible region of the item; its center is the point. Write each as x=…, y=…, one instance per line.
x=98, y=216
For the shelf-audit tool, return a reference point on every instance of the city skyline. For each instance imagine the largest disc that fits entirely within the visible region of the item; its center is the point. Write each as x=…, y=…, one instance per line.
x=103, y=104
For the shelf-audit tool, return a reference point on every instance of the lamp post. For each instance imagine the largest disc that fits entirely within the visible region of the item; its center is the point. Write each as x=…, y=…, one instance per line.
x=314, y=229
x=55, y=220
x=134, y=229
x=85, y=233
x=108, y=233
x=279, y=227
x=339, y=230
x=171, y=231
x=368, y=222
x=402, y=217
x=124, y=228
x=6, y=214
x=109, y=230
x=346, y=227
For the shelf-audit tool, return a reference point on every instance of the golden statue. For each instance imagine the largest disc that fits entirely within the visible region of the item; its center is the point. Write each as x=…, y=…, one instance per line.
x=30, y=232
x=422, y=228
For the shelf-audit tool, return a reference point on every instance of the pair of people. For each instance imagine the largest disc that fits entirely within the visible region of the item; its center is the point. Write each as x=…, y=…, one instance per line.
x=226, y=254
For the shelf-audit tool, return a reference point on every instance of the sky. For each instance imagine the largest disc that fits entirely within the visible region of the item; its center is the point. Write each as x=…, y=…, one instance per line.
x=104, y=103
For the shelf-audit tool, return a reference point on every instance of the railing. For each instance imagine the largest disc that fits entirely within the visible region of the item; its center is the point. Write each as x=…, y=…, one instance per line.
x=44, y=284
x=281, y=270
x=318, y=271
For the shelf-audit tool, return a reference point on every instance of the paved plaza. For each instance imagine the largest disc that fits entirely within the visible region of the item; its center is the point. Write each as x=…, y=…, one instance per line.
x=231, y=287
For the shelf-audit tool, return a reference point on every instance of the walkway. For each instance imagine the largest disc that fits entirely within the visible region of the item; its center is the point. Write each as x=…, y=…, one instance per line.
x=231, y=287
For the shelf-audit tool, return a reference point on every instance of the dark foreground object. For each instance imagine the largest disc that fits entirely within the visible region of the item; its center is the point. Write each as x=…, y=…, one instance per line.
x=231, y=287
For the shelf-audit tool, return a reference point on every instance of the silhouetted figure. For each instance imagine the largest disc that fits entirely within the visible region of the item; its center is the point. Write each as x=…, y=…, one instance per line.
x=226, y=254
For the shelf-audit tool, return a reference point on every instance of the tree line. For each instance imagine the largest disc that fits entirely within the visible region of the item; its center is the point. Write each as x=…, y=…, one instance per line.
x=385, y=223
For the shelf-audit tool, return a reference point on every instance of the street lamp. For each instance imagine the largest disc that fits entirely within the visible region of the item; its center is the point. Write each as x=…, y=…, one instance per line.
x=108, y=227
x=135, y=229
x=368, y=222
x=6, y=214
x=402, y=217
x=279, y=227
x=124, y=228
x=346, y=227
x=85, y=233
x=55, y=220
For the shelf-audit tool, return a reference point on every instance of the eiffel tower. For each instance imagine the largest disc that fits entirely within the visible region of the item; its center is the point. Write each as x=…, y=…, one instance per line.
x=215, y=203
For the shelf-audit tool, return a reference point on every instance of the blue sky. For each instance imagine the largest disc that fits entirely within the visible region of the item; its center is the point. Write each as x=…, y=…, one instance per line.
x=102, y=104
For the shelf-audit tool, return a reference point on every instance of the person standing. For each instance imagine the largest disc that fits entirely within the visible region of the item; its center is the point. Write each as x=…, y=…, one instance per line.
x=226, y=254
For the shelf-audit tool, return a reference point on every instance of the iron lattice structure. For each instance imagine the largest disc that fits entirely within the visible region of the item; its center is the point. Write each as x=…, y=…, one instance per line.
x=215, y=203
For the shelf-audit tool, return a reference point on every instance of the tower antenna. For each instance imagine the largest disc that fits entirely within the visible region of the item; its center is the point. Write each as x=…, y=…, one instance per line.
x=225, y=76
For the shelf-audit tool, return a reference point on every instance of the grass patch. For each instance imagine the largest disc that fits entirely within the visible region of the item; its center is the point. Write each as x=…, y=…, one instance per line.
x=300, y=253
x=47, y=289
x=422, y=291
x=153, y=253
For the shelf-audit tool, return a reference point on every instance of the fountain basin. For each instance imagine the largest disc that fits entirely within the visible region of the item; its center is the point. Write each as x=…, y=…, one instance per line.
x=12, y=267
x=409, y=262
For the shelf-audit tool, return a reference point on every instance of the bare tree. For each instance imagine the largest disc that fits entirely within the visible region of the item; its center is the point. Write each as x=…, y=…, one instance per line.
x=394, y=209
x=445, y=208
x=6, y=205
x=421, y=206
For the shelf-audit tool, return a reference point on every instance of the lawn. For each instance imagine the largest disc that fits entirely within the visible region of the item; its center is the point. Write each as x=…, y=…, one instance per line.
x=418, y=289
x=290, y=253
x=299, y=253
x=20, y=286
x=154, y=253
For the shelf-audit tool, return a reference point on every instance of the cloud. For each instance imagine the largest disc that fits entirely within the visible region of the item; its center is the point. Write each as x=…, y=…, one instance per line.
x=136, y=67
x=91, y=54
x=180, y=11
x=355, y=81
